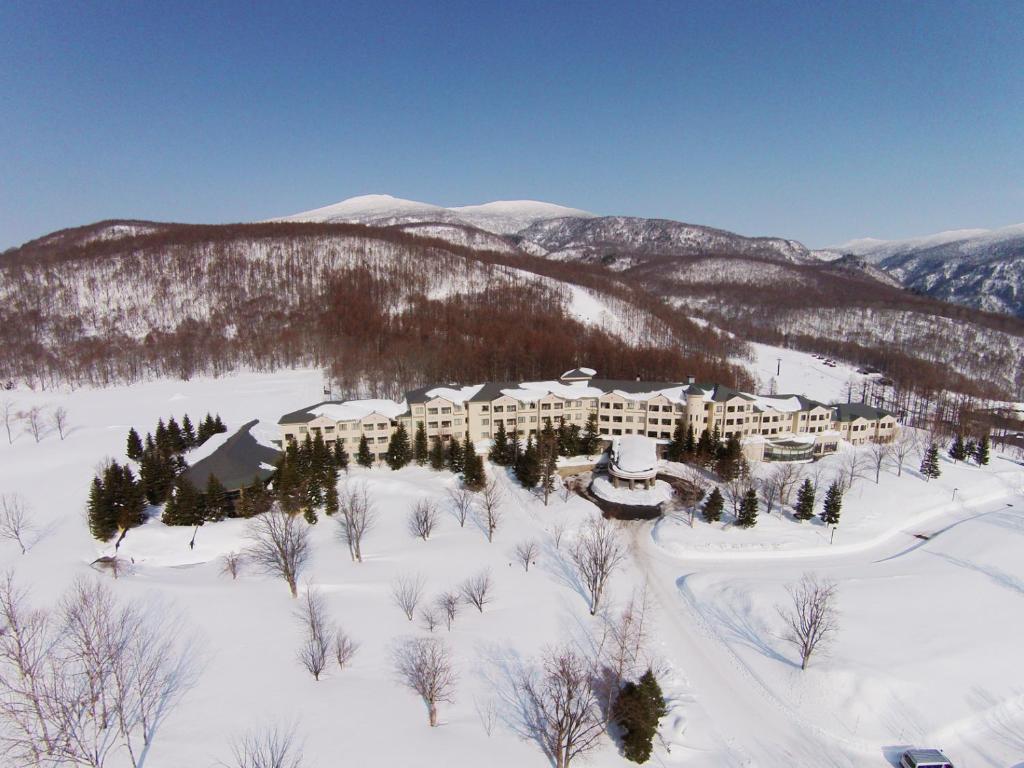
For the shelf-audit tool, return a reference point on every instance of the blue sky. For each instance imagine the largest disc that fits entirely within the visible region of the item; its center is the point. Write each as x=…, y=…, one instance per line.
x=816, y=121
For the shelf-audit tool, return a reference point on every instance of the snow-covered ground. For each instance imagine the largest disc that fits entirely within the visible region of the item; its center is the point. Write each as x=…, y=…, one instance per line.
x=799, y=373
x=927, y=651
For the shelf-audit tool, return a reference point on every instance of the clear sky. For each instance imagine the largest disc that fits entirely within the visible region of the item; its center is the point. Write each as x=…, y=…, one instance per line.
x=820, y=121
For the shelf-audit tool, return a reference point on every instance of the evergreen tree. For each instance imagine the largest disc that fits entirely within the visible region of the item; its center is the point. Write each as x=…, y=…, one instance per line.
x=437, y=456
x=957, y=451
x=134, y=450
x=288, y=485
x=255, y=500
x=218, y=425
x=713, y=506
x=206, y=429
x=727, y=465
x=705, y=451
x=399, y=453
x=216, y=503
x=981, y=451
x=340, y=455
x=547, y=460
x=175, y=438
x=188, y=432
x=649, y=686
x=162, y=443
x=363, y=456
x=501, y=451
x=674, y=452
x=473, y=476
x=125, y=498
x=833, y=504
x=102, y=520
x=747, y=517
x=527, y=468
x=331, y=501
x=930, y=463
x=571, y=445
x=184, y=506
x=689, y=444
x=636, y=712
x=453, y=456
x=310, y=515
x=420, y=445
x=157, y=471
x=804, y=509
x=590, y=440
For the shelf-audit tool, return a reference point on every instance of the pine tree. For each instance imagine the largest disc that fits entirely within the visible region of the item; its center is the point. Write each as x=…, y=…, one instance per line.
x=363, y=456
x=636, y=711
x=340, y=455
x=399, y=454
x=331, y=501
x=571, y=446
x=957, y=451
x=713, y=506
x=689, y=444
x=705, y=450
x=125, y=496
x=102, y=519
x=160, y=437
x=218, y=425
x=930, y=463
x=804, y=509
x=747, y=517
x=674, y=452
x=207, y=429
x=217, y=505
x=184, y=506
x=254, y=499
x=727, y=465
x=591, y=438
x=188, y=432
x=420, y=445
x=650, y=687
x=833, y=504
x=453, y=456
x=527, y=468
x=134, y=450
x=501, y=452
x=473, y=476
x=437, y=456
x=981, y=451
x=175, y=438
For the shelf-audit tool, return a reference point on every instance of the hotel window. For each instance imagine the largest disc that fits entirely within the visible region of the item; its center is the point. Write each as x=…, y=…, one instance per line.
x=511, y=408
x=545, y=406
x=302, y=430
x=432, y=424
x=328, y=429
x=446, y=410
x=432, y=411
x=522, y=419
x=485, y=434
x=485, y=408
x=616, y=406
x=485, y=422
x=497, y=408
x=629, y=418
x=382, y=439
x=417, y=409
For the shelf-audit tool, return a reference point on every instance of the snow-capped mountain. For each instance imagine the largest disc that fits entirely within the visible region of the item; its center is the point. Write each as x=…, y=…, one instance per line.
x=503, y=217
x=978, y=267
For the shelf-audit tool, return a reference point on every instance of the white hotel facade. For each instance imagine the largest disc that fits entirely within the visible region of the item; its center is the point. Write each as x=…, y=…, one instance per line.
x=770, y=428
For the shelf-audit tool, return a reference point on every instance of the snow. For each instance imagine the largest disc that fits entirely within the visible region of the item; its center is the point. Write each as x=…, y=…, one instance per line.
x=586, y=371
x=780, y=404
x=660, y=492
x=877, y=250
x=531, y=391
x=364, y=205
x=353, y=410
x=928, y=652
x=800, y=373
x=634, y=453
x=457, y=396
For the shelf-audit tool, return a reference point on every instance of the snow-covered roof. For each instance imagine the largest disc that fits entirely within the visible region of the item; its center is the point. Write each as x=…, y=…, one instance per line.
x=455, y=395
x=529, y=391
x=353, y=410
x=634, y=454
x=578, y=373
x=785, y=404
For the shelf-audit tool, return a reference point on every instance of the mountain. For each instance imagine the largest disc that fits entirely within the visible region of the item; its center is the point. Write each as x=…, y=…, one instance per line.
x=977, y=267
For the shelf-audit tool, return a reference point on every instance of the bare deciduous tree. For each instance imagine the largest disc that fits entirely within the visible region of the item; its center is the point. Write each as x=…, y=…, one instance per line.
x=879, y=453
x=279, y=545
x=769, y=491
x=487, y=711
x=490, y=507
x=406, y=591
x=231, y=564
x=357, y=518
x=430, y=617
x=853, y=467
x=316, y=644
x=476, y=590
x=812, y=619
x=788, y=476
x=526, y=553
x=33, y=419
x=422, y=519
x=424, y=665
x=557, y=531
x=344, y=648
x=461, y=501
x=269, y=748
x=448, y=602
x=597, y=554
x=10, y=417
x=564, y=709
x=623, y=642
x=16, y=521
x=60, y=420
x=903, y=445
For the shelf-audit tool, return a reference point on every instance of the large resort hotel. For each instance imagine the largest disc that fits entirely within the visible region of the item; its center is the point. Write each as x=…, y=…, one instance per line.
x=770, y=428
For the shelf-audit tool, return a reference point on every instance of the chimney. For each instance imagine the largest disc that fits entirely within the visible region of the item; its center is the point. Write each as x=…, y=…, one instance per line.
x=689, y=380
x=638, y=378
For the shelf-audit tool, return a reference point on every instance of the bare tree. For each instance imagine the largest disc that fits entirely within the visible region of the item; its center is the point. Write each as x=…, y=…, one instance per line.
x=269, y=748
x=316, y=644
x=903, y=445
x=879, y=453
x=16, y=521
x=564, y=712
x=812, y=619
x=430, y=617
x=769, y=491
x=526, y=552
x=424, y=665
x=557, y=531
x=854, y=466
x=490, y=507
x=423, y=518
x=60, y=420
x=788, y=476
x=279, y=545
x=357, y=517
x=344, y=648
x=448, y=602
x=10, y=417
x=597, y=554
x=488, y=714
x=461, y=500
x=736, y=489
x=406, y=591
x=33, y=419
x=231, y=564
x=623, y=642
x=476, y=590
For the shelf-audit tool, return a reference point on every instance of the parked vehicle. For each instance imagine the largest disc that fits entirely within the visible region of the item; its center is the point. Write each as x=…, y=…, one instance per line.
x=924, y=758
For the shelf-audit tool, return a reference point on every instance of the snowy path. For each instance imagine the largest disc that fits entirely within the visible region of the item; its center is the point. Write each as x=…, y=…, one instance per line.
x=756, y=724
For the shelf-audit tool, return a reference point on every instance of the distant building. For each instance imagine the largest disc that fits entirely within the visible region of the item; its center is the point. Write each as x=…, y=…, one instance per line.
x=770, y=428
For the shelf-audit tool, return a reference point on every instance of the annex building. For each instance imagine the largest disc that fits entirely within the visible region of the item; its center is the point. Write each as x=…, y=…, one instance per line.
x=770, y=428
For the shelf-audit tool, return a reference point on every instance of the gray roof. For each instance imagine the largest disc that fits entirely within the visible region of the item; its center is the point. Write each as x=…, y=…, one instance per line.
x=493, y=390
x=235, y=463
x=576, y=373
x=306, y=414
x=851, y=411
